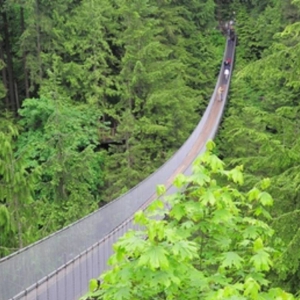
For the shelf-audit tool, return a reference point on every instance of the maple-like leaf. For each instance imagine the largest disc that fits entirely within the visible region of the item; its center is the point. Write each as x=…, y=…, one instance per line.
x=185, y=250
x=251, y=288
x=231, y=259
x=261, y=261
x=154, y=257
x=265, y=199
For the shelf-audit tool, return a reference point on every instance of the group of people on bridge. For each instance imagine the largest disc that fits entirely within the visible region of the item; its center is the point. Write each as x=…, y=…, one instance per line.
x=227, y=65
x=229, y=29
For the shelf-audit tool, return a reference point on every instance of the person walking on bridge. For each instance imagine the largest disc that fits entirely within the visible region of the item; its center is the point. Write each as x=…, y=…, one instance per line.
x=220, y=93
x=227, y=63
x=226, y=74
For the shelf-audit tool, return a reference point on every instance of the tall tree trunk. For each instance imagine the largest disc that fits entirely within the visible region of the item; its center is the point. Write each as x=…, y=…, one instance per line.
x=26, y=83
x=4, y=77
x=128, y=150
x=9, y=63
x=16, y=202
x=19, y=224
x=38, y=41
x=17, y=97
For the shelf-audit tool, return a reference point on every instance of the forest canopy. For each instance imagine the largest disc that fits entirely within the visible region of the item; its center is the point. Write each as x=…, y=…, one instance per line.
x=95, y=96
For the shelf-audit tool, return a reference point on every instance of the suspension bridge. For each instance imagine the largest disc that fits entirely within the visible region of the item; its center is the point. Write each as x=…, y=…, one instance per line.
x=60, y=266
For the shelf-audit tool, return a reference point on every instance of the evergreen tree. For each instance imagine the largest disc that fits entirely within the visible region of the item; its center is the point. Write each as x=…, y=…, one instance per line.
x=157, y=85
x=63, y=138
x=82, y=57
x=261, y=133
x=17, y=187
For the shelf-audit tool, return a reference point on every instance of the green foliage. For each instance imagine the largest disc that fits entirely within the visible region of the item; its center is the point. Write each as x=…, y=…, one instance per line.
x=17, y=186
x=212, y=245
x=6, y=230
x=144, y=68
x=82, y=56
x=62, y=138
x=160, y=84
x=287, y=227
x=93, y=285
x=2, y=87
x=261, y=130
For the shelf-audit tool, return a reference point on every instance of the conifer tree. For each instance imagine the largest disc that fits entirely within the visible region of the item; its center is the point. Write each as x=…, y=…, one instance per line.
x=261, y=132
x=17, y=187
x=63, y=138
x=82, y=57
x=157, y=86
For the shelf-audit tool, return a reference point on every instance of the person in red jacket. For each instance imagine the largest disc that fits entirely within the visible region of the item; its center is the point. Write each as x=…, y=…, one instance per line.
x=227, y=63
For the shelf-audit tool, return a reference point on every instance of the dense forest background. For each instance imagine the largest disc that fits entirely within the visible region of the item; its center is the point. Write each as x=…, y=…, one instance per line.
x=261, y=126
x=95, y=96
